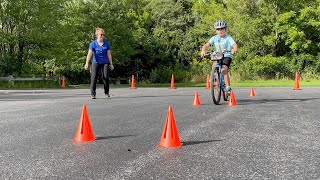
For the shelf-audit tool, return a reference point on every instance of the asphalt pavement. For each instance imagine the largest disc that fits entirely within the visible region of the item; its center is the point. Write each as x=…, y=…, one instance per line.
x=274, y=135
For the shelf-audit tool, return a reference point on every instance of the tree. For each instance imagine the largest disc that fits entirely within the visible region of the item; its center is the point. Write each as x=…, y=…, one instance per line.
x=81, y=19
x=29, y=29
x=154, y=38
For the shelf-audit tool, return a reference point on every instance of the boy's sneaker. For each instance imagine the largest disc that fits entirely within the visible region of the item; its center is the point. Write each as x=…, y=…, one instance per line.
x=228, y=90
x=108, y=95
x=93, y=96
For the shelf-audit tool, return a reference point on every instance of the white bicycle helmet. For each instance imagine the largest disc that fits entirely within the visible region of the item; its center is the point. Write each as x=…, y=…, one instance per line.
x=220, y=24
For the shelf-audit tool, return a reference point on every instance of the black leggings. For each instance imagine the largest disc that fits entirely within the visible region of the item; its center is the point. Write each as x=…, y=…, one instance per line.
x=104, y=70
x=226, y=61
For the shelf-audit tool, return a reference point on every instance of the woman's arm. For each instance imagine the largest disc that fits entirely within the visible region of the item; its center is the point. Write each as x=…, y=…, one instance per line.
x=89, y=56
x=110, y=59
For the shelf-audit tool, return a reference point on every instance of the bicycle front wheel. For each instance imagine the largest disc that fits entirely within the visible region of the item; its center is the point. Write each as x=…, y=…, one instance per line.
x=215, y=86
x=225, y=96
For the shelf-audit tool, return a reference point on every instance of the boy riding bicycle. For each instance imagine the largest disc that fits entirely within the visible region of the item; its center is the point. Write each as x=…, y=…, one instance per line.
x=223, y=43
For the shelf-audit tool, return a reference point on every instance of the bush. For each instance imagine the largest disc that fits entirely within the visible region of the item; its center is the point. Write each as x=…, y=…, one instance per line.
x=266, y=67
x=30, y=84
x=163, y=74
x=307, y=65
x=199, y=70
x=7, y=65
x=75, y=76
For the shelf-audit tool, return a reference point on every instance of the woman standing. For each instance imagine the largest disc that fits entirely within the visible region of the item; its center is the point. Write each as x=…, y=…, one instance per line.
x=102, y=59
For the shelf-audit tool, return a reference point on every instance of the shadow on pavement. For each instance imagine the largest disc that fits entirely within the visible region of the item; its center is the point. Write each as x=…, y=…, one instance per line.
x=261, y=101
x=113, y=137
x=187, y=143
x=212, y=104
x=125, y=97
x=35, y=97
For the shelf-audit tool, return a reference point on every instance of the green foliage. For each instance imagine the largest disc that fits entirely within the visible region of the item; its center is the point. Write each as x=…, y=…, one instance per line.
x=163, y=74
x=154, y=39
x=76, y=76
x=29, y=30
x=199, y=70
x=266, y=67
x=29, y=84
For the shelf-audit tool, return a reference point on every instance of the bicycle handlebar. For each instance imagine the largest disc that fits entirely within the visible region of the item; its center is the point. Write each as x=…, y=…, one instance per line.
x=214, y=56
x=215, y=53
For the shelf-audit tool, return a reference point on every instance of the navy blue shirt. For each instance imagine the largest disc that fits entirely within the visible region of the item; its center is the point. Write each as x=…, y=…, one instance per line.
x=100, y=52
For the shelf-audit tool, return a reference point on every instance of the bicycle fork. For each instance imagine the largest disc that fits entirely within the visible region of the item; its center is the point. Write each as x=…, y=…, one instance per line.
x=219, y=79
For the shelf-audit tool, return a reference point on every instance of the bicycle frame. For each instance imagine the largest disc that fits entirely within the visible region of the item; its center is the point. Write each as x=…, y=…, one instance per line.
x=221, y=77
x=217, y=79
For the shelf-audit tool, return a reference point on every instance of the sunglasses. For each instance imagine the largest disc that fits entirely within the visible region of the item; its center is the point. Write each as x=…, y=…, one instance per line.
x=101, y=34
x=219, y=29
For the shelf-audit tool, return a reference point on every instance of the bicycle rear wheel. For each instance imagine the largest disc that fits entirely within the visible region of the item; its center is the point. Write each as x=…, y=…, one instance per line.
x=215, y=86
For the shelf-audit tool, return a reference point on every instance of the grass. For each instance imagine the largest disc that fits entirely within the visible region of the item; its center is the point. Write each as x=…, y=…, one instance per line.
x=275, y=83
x=184, y=84
x=28, y=84
x=253, y=83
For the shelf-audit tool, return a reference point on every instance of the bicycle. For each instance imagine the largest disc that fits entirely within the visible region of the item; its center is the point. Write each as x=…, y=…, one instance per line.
x=217, y=85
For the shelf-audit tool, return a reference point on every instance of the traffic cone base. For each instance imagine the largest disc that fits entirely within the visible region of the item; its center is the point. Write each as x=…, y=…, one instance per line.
x=84, y=132
x=196, y=101
x=297, y=86
x=252, y=92
x=170, y=136
x=232, y=100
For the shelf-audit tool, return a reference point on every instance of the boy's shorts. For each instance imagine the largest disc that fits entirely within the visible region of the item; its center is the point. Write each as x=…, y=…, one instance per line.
x=226, y=61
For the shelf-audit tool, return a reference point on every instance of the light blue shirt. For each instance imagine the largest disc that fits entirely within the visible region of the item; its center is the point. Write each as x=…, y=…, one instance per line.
x=222, y=44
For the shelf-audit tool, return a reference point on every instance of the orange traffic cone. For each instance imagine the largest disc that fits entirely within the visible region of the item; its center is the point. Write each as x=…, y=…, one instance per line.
x=252, y=92
x=63, y=84
x=133, y=83
x=172, y=83
x=84, y=132
x=296, y=82
x=232, y=100
x=208, y=82
x=170, y=136
x=196, y=101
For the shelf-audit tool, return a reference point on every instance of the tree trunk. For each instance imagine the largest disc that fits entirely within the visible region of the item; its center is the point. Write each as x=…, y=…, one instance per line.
x=20, y=55
x=44, y=69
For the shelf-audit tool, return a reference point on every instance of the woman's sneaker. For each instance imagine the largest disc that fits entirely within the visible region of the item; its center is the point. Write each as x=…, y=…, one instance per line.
x=93, y=96
x=108, y=95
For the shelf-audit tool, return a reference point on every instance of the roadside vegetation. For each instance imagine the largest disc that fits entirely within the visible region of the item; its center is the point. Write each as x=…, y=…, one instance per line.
x=153, y=39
